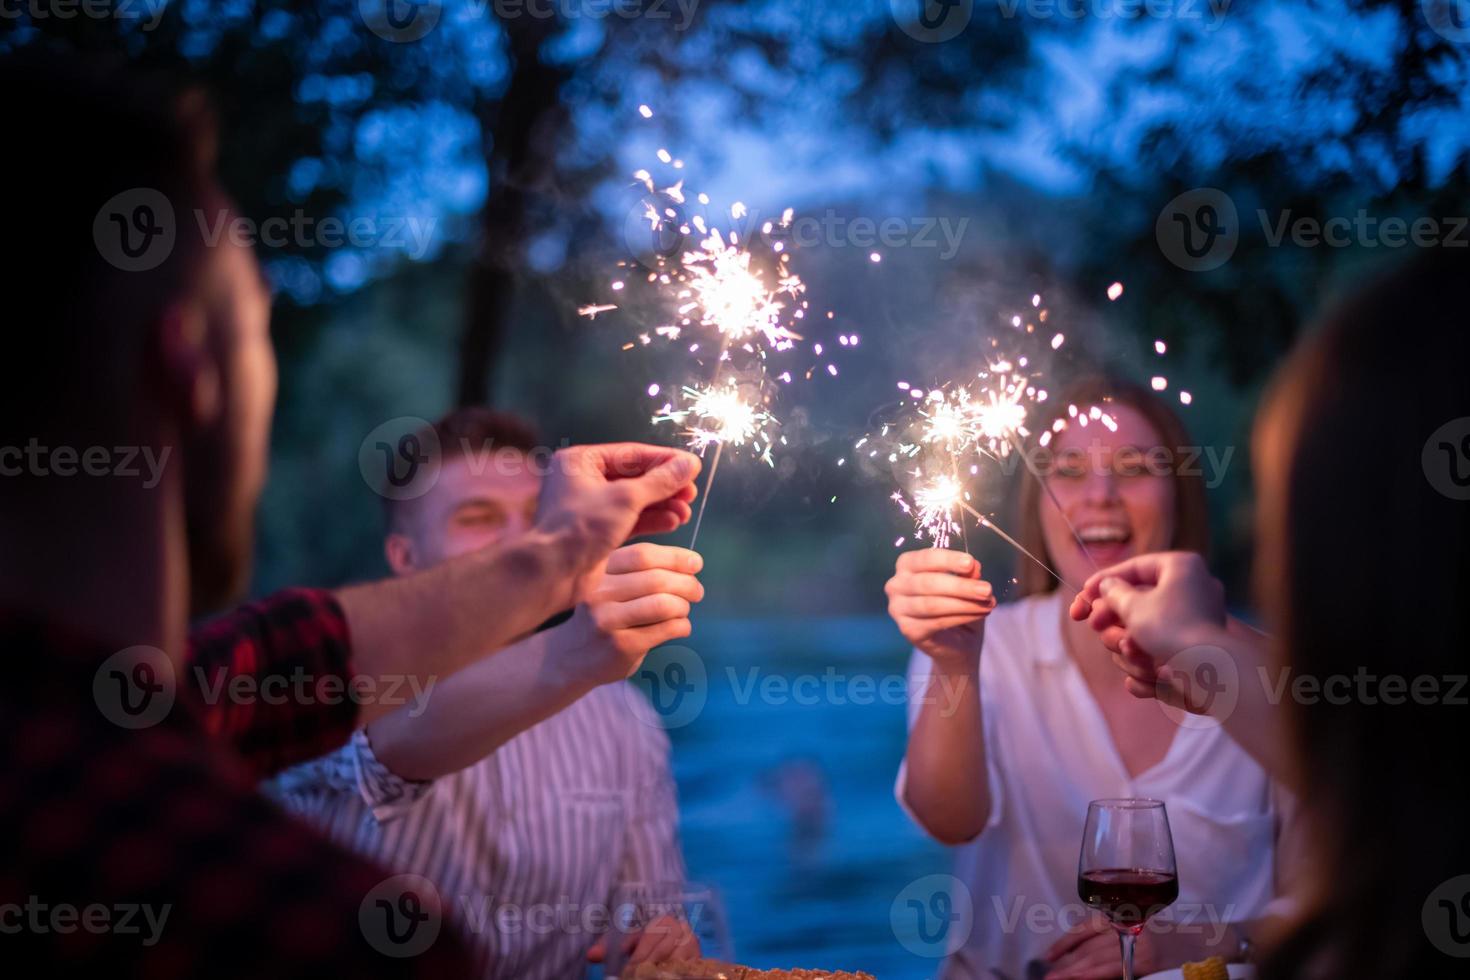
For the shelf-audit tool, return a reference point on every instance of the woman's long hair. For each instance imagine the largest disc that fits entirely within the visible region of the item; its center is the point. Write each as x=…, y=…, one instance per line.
x=1363, y=569
x=1191, y=516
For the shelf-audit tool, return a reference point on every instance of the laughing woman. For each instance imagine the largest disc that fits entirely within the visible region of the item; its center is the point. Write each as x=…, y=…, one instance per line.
x=1021, y=720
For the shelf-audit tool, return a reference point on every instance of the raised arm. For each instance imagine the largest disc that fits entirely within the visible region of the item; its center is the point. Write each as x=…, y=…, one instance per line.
x=426, y=627
x=290, y=678
x=641, y=602
x=1163, y=616
x=940, y=604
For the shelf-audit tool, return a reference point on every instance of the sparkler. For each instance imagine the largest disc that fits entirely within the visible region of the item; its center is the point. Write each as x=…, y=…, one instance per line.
x=935, y=503
x=717, y=415
x=726, y=293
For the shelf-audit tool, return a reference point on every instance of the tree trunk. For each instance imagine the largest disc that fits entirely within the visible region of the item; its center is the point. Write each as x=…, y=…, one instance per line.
x=520, y=134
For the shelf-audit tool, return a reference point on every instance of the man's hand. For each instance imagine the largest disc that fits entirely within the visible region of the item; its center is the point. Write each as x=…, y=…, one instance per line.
x=940, y=603
x=667, y=939
x=597, y=497
x=641, y=600
x=1147, y=610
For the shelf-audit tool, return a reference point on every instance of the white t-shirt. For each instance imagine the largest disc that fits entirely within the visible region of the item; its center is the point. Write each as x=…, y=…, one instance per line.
x=1049, y=753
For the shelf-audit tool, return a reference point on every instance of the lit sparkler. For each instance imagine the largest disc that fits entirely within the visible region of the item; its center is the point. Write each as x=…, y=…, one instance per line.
x=937, y=502
x=720, y=415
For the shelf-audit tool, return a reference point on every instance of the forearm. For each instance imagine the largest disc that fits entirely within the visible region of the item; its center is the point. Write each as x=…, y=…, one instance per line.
x=947, y=786
x=430, y=625
x=1251, y=718
x=468, y=716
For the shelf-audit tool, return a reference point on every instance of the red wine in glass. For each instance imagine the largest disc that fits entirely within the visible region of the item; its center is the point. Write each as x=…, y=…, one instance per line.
x=1126, y=870
x=1128, y=896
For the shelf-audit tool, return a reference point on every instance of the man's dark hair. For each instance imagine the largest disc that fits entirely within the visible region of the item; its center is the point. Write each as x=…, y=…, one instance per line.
x=85, y=137
x=472, y=430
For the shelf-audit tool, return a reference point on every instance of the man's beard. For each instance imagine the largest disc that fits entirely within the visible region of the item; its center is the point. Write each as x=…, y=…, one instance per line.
x=220, y=524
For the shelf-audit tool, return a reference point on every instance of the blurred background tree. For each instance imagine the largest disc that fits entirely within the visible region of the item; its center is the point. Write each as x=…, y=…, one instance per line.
x=504, y=141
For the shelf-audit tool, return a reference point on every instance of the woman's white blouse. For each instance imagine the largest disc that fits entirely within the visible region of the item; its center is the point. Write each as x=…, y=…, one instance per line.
x=1049, y=753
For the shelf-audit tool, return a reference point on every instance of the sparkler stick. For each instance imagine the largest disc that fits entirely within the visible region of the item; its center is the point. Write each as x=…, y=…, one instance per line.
x=1031, y=465
x=933, y=512
x=987, y=522
x=704, y=502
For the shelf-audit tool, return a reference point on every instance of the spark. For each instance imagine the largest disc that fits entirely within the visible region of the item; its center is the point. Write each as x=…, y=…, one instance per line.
x=721, y=414
x=590, y=312
x=1115, y=290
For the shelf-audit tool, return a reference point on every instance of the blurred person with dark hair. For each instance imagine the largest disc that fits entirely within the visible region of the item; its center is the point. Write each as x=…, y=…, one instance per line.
x=538, y=779
x=1361, y=454
x=1017, y=719
x=131, y=774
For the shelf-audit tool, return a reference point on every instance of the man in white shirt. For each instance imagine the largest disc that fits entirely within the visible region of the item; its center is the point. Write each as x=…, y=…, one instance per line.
x=527, y=818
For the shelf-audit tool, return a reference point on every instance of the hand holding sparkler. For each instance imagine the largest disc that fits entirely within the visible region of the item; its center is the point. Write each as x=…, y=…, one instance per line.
x=940, y=603
x=597, y=497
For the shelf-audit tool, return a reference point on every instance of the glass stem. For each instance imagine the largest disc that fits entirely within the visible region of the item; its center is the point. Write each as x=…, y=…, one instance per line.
x=1125, y=942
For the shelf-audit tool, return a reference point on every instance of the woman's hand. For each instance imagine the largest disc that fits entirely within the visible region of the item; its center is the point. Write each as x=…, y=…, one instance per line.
x=1149, y=609
x=939, y=602
x=1090, y=951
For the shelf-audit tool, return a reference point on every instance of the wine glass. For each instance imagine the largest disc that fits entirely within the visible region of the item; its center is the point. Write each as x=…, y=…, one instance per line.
x=1127, y=869
x=656, y=905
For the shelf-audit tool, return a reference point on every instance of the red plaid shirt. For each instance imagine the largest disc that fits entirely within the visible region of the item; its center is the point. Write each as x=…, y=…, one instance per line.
x=132, y=841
